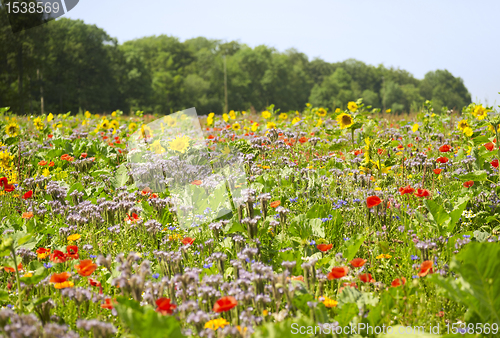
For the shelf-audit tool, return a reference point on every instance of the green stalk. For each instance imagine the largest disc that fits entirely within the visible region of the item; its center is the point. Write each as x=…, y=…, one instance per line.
x=19, y=300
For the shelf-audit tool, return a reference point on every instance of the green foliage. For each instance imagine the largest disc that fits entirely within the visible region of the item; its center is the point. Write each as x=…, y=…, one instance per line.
x=478, y=286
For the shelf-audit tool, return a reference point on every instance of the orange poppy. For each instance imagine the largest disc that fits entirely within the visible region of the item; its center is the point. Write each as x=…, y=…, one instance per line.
x=366, y=278
x=86, y=267
x=373, y=201
x=406, y=190
x=437, y=171
x=442, y=159
x=468, y=184
x=107, y=304
x=398, y=282
x=494, y=163
x=196, y=182
x=425, y=268
x=58, y=257
x=358, y=262
x=324, y=247
x=422, y=193
x=225, y=304
x=27, y=215
x=445, y=148
x=299, y=278
x=188, y=241
x=490, y=146
x=42, y=163
x=164, y=306
x=338, y=272
x=60, y=277
x=275, y=204
x=72, y=251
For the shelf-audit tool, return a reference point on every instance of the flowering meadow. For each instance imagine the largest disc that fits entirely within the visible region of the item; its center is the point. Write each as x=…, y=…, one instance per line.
x=350, y=217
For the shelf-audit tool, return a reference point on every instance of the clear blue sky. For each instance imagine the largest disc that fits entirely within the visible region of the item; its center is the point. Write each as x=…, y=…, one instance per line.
x=418, y=36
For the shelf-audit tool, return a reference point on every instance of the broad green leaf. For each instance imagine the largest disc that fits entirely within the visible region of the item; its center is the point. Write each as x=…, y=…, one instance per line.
x=352, y=295
x=478, y=286
x=438, y=214
x=348, y=312
x=317, y=228
x=352, y=246
x=121, y=177
x=4, y=295
x=478, y=175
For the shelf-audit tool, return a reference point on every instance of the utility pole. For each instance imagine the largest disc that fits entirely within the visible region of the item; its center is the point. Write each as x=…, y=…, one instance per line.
x=226, y=108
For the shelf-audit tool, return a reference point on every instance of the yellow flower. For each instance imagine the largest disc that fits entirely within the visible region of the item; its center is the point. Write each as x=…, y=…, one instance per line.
x=132, y=127
x=382, y=256
x=266, y=114
x=462, y=125
x=236, y=126
x=308, y=105
x=330, y=302
x=50, y=117
x=12, y=129
x=468, y=131
x=59, y=125
x=266, y=167
x=210, y=119
x=255, y=126
x=104, y=124
x=63, y=285
x=114, y=124
x=321, y=112
x=214, y=324
x=42, y=255
x=87, y=114
x=492, y=129
x=46, y=172
x=113, y=114
x=157, y=148
x=232, y=115
x=295, y=119
x=170, y=121
x=243, y=112
x=74, y=237
x=5, y=158
x=480, y=112
x=28, y=274
x=283, y=116
x=345, y=120
x=180, y=144
x=415, y=127
x=146, y=131
x=242, y=330
x=271, y=125
x=352, y=106
x=319, y=123
x=225, y=117
x=337, y=110
x=388, y=110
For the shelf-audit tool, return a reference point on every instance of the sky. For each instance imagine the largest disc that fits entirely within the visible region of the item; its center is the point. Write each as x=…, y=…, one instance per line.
x=418, y=36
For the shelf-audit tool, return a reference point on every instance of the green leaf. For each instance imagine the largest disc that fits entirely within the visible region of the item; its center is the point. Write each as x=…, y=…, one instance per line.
x=349, y=311
x=145, y=322
x=291, y=328
x=478, y=286
x=4, y=295
x=317, y=227
x=352, y=295
x=438, y=214
x=478, y=175
x=351, y=247
x=121, y=177
x=37, y=277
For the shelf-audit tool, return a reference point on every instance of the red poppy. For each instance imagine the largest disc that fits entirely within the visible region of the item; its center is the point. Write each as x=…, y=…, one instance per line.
x=366, y=278
x=4, y=183
x=303, y=139
x=51, y=163
x=373, y=201
x=83, y=155
x=28, y=195
x=398, y=282
x=410, y=145
x=42, y=163
x=94, y=282
x=58, y=257
x=107, y=304
x=358, y=152
x=406, y=190
x=188, y=241
x=442, y=159
x=422, y=193
x=164, y=306
x=490, y=146
x=50, y=136
x=358, y=262
x=437, y=171
x=380, y=151
x=468, y=184
x=86, y=267
x=72, y=251
x=338, y=272
x=225, y=304
x=59, y=277
x=275, y=204
x=425, y=268
x=444, y=148
x=494, y=163
x=9, y=269
x=42, y=250
x=324, y=247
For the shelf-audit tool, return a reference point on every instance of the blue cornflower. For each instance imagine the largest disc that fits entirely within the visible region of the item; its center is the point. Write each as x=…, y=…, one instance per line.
x=414, y=276
x=207, y=266
x=172, y=228
x=9, y=306
x=293, y=200
x=312, y=242
x=196, y=252
x=466, y=236
x=47, y=265
x=346, y=238
x=93, y=256
x=156, y=275
x=414, y=257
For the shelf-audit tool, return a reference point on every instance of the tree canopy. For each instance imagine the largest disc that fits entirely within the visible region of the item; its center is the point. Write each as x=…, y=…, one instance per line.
x=75, y=66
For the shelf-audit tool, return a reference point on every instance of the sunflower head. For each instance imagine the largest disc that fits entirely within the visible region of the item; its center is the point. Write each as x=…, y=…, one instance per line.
x=345, y=120
x=180, y=144
x=352, y=106
x=462, y=125
x=321, y=112
x=236, y=126
x=12, y=129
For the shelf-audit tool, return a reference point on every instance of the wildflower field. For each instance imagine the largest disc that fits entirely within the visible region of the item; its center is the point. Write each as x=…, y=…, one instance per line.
x=347, y=223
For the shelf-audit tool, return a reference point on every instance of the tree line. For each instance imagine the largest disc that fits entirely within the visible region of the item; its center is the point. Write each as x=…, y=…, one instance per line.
x=67, y=65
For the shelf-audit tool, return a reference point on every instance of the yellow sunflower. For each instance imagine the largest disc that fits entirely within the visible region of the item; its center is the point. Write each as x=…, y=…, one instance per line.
x=132, y=127
x=345, y=120
x=352, y=106
x=321, y=112
x=170, y=121
x=283, y=116
x=12, y=129
x=180, y=144
x=232, y=115
x=157, y=148
x=271, y=125
x=236, y=126
x=266, y=114
x=296, y=119
x=462, y=125
x=468, y=131
x=480, y=112
x=210, y=119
